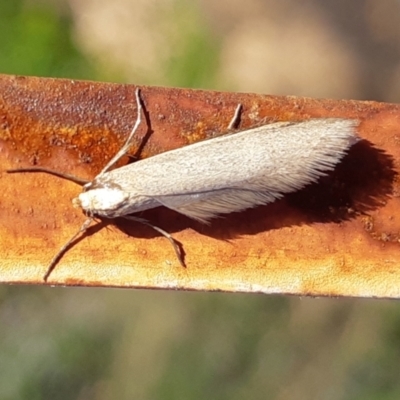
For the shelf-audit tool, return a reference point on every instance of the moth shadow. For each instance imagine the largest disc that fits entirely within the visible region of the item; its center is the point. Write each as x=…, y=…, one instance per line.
x=362, y=182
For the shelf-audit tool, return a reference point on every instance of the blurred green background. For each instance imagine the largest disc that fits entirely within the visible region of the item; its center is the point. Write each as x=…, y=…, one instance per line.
x=101, y=344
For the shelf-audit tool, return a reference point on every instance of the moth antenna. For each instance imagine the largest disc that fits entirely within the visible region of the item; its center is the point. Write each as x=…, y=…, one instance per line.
x=175, y=244
x=68, y=177
x=124, y=149
x=64, y=248
x=236, y=118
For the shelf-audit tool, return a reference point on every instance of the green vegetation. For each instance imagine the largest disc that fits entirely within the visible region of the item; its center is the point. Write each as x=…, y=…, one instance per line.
x=35, y=40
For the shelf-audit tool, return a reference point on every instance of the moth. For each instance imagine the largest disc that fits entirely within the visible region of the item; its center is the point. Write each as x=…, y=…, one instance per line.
x=225, y=174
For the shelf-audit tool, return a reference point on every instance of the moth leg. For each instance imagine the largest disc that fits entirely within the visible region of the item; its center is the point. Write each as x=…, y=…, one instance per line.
x=68, y=177
x=176, y=245
x=124, y=149
x=64, y=248
x=236, y=118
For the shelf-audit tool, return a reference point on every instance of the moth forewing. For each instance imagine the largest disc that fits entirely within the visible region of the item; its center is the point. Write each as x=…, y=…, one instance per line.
x=234, y=172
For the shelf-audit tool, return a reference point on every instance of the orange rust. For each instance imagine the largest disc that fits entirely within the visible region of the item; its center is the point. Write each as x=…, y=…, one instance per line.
x=337, y=237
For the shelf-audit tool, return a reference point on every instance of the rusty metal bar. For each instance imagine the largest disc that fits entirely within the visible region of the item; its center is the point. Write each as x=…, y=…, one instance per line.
x=339, y=237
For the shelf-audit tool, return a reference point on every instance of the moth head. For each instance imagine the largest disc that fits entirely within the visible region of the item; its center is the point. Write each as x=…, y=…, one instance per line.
x=101, y=201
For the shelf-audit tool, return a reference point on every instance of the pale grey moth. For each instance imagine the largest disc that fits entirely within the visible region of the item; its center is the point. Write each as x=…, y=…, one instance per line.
x=225, y=174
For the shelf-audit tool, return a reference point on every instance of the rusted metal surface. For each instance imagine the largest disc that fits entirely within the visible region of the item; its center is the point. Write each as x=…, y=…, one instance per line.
x=339, y=237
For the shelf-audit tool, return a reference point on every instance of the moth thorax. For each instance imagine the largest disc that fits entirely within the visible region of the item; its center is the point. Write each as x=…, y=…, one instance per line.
x=97, y=201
